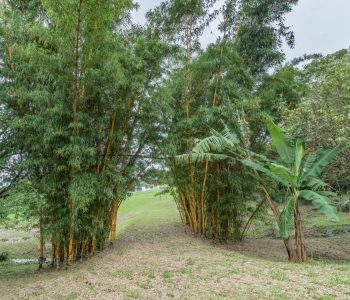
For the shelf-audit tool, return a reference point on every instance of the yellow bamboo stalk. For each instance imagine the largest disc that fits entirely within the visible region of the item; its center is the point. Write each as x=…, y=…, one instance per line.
x=82, y=247
x=193, y=209
x=70, y=256
x=187, y=212
x=110, y=139
x=113, y=220
x=203, y=196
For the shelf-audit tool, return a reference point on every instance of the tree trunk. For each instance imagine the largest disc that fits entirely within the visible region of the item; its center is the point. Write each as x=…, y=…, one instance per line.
x=53, y=253
x=300, y=247
x=289, y=250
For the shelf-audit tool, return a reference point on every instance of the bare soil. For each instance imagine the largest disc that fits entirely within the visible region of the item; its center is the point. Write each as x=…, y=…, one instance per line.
x=331, y=248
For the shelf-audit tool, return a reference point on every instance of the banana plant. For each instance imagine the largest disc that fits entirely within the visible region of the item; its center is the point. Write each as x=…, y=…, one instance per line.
x=298, y=172
x=228, y=144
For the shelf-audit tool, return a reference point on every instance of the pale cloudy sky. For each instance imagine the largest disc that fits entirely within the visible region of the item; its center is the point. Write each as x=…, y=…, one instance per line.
x=319, y=25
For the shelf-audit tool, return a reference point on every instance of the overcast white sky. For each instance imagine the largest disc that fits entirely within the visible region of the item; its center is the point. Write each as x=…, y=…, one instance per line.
x=319, y=25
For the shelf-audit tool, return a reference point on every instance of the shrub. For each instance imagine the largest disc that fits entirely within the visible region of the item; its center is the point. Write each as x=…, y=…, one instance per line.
x=4, y=256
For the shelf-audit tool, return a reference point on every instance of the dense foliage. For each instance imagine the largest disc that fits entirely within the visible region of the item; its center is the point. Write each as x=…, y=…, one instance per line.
x=73, y=124
x=322, y=118
x=210, y=86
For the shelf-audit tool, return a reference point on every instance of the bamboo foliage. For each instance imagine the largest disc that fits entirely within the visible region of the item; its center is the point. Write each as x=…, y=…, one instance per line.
x=83, y=152
x=189, y=185
x=210, y=86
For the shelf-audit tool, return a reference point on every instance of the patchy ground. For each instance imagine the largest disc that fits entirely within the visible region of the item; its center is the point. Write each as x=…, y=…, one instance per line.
x=155, y=258
x=326, y=240
x=19, y=243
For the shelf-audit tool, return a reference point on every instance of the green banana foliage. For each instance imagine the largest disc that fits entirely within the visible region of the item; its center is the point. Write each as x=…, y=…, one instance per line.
x=298, y=174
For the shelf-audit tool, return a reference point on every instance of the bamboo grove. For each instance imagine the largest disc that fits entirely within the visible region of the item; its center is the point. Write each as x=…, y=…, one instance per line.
x=78, y=115
x=210, y=86
x=91, y=103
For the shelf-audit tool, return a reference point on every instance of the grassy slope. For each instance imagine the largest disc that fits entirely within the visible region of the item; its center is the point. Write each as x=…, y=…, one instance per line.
x=146, y=210
x=153, y=258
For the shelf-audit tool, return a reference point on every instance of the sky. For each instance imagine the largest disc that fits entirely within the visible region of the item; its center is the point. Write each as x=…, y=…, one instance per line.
x=320, y=26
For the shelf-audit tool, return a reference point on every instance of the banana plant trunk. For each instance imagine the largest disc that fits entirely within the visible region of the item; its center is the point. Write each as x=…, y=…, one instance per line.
x=300, y=247
x=289, y=249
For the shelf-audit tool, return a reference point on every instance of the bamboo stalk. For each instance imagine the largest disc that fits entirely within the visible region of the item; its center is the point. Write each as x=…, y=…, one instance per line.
x=42, y=244
x=110, y=139
x=76, y=65
x=203, y=196
x=113, y=220
x=70, y=254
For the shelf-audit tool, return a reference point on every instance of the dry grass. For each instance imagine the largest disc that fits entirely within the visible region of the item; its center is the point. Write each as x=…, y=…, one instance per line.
x=155, y=258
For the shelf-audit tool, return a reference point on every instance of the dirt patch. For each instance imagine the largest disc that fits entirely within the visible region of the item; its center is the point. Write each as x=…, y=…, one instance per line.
x=265, y=248
x=332, y=248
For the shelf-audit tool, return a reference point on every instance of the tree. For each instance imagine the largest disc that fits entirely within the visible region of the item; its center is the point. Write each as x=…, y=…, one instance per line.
x=282, y=91
x=181, y=23
x=298, y=172
x=230, y=147
x=209, y=85
x=322, y=117
x=261, y=32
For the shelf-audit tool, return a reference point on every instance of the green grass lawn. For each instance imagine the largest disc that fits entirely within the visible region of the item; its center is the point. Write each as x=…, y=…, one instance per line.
x=146, y=209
